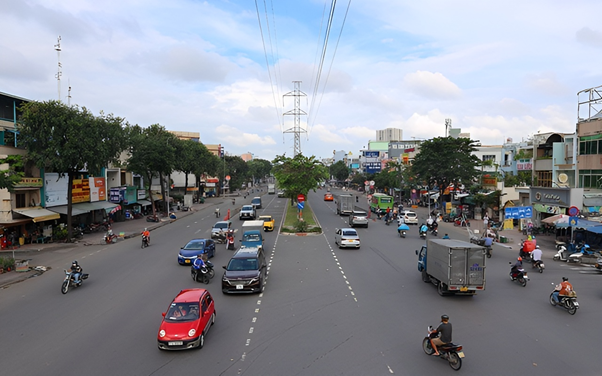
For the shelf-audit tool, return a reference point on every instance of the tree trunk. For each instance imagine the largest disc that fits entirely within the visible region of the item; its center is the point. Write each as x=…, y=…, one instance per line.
x=186, y=183
x=165, y=198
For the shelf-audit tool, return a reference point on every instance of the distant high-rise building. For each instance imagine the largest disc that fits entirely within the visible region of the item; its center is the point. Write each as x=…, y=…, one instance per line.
x=389, y=134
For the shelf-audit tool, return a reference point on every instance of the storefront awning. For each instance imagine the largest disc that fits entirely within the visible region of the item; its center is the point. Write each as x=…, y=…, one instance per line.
x=62, y=209
x=38, y=215
x=143, y=202
x=97, y=205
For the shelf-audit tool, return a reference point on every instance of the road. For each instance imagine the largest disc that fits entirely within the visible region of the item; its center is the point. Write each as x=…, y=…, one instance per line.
x=325, y=311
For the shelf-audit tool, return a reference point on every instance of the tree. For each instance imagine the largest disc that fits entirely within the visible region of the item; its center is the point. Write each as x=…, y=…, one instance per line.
x=152, y=154
x=299, y=174
x=237, y=168
x=258, y=168
x=446, y=160
x=207, y=165
x=14, y=174
x=70, y=140
x=339, y=170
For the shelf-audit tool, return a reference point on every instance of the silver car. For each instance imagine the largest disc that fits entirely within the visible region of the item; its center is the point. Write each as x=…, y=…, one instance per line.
x=346, y=237
x=409, y=218
x=247, y=212
x=358, y=218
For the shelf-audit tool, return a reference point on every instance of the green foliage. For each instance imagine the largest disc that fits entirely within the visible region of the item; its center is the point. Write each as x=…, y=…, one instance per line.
x=301, y=226
x=8, y=178
x=339, y=170
x=7, y=262
x=299, y=174
x=59, y=233
x=237, y=168
x=258, y=168
x=445, y=160
x=521, y=180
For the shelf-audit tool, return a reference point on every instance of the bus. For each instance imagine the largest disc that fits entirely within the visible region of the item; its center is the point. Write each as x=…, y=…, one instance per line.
x=380, y=202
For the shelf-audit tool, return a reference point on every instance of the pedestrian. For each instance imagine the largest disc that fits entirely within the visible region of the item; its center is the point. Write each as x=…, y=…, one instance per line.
x=485, y=221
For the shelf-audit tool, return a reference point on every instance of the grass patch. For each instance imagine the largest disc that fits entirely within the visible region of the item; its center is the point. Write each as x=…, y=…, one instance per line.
x=291, y=221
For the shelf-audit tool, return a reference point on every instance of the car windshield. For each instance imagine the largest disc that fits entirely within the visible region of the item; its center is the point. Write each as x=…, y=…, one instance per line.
x=247, y=207
x=349, y=233
x=251, y=237
x=195, y=244
x=242, y=264
x=221, y=225
x=256, y=201
x=410, y=214
x=359, y=214
x=182, y=312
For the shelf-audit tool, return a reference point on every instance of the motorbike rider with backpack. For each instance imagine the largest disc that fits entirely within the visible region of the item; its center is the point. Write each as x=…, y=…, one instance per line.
x=423, y=229
x=445, y=331
x=76, y=272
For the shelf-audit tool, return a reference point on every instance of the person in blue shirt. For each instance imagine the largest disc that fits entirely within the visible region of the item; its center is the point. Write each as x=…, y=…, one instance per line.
x=488, y=242
x=423, y=228
x=445, y=236
x=199, y=263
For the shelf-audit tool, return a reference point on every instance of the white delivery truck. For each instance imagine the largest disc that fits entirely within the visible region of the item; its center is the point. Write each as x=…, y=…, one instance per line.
x=345, y=204
x=454, y=266
x=271, y=189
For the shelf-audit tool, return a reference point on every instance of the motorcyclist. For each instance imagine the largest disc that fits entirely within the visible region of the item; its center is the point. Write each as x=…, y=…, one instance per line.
x=564, y=289
x=423, y=228
x=445, y=331
x=445, y=236
x=146, y=233
x=216, y=212
x=488, y=242
x=76, y=272
x=198, y=262
x=517, y=265
x=536, y=256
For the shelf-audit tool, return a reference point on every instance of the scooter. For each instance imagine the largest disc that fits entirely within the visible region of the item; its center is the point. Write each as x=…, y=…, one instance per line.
x=145, y=242
x=434, y=232
x=568, y=302
x=539, y=265
x=230, y=242
x=110, y=237
x=582, y=250
x=216, y=212
x=202, y=274
x=69, y=281
x=452, y=352
x=520, y=276
x=402, y=230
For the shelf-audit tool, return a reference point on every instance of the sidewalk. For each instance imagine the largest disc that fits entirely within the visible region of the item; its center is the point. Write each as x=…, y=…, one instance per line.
x=125, y=230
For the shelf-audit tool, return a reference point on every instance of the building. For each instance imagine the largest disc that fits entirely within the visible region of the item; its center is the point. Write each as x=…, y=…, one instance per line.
x=389, y=134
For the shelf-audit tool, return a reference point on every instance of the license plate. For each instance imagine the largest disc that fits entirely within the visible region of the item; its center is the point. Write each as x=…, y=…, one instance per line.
x=175, y=343
x=239, y=287
x=187, y=261
x=461, y=354
x=464, y=288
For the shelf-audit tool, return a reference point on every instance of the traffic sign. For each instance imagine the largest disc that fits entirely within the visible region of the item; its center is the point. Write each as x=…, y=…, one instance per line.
x=573, y=221
x=300, y=197
x=573, y=211
x=300, y=205
x=227, y=177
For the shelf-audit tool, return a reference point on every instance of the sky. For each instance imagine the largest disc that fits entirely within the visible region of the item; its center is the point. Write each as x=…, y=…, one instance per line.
x=498, y=70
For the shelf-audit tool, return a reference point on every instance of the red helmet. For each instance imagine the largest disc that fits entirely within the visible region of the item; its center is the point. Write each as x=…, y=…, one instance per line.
x=520, y=258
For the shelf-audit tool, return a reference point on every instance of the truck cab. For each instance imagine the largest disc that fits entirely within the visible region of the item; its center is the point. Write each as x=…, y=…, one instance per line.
x=251, y=236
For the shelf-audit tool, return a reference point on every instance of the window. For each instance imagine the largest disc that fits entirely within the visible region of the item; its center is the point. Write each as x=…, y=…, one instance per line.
x=590, y=147
x=590, y=179
x=20, y=200
x=488, y=158
x=544, y=178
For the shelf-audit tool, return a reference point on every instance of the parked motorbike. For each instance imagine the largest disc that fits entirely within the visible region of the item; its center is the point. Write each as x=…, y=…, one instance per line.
x=153, y=218
x=69, y=281
x=452, y=352
x=560, y=245
x=202, y=274
x=145, y=242
x=519, y=275
x=539, y=265
x=568, y=302
x=582, y=250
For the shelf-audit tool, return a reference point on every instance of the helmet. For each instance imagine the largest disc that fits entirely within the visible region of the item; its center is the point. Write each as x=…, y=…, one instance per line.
x=564, y=279
x=74, y=262
x=145, y=229
x=520, y=258
x=444, y=317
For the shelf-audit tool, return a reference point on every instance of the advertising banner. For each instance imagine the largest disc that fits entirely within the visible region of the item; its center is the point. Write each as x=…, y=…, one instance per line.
x=371, y=154
x=98, y=192
x=80, y=191
x=115, y=195
x=55, y=192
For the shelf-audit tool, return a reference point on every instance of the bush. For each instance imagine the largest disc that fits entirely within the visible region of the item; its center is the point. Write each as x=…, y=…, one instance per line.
x=7, y=262
x=301, y=226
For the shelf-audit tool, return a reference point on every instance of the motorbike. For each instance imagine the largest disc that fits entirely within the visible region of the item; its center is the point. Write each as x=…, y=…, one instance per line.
x=230, y=242
x=110, y=237
x=481, y=242
x=202, y=274
x=69, y=281
x=520, y=275
x=568, y=302
x=153, y=218
x=539, y=265
x=388, y=220
x=217, y=213
x=145, y=242
x=581, y=250
x=560, y=245
x=423, y=234
x=571, y=253
x=233, y=201
x=452, y=352
x=434, y=232
x=524, y=254
x=402, y=230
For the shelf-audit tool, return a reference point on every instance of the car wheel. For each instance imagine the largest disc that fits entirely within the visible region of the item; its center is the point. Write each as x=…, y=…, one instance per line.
x=213, y=318
x=202, y=341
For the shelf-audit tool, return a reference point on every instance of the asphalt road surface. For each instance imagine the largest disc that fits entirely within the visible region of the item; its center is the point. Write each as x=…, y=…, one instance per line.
x=325, y=311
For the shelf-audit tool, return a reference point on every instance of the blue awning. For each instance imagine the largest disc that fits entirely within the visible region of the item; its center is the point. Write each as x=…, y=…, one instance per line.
x=595, y=229
x=582, y=223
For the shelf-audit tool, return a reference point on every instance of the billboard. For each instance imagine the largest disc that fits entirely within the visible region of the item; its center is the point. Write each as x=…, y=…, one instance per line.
x=55, y=189
x=98, y=191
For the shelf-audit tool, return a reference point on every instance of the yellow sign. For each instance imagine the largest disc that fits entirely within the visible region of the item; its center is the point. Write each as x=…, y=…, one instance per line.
x=30, y=182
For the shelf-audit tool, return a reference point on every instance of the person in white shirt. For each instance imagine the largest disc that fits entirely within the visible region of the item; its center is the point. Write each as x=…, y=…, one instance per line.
x=535, y=256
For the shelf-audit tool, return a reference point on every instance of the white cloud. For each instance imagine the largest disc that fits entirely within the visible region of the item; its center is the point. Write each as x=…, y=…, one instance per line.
x=431, y=85
x=234, y=136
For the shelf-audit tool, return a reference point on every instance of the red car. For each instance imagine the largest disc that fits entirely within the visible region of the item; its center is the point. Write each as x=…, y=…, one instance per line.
x=328, y=197
x=187, y=320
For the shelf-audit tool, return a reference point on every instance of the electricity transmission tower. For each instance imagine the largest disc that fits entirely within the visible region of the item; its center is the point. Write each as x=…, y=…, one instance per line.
x=296, y=112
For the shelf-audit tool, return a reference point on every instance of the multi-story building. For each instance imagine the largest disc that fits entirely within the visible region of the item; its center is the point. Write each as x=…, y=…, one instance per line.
x=389, y=134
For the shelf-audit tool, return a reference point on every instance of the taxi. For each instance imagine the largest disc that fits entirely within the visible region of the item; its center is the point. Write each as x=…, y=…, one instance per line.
x=328, y=197
x=268, y=222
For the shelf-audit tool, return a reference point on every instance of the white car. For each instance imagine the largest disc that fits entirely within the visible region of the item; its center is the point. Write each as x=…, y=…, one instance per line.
x=409, y=218
x=347, y=237
x=358, y=218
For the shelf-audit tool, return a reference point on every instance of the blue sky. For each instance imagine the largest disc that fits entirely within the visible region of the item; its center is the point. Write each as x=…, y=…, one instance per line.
x=498, y=69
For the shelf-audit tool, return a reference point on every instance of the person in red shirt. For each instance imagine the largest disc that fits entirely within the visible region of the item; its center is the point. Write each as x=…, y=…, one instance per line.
x=147, y=234
x=563, y=289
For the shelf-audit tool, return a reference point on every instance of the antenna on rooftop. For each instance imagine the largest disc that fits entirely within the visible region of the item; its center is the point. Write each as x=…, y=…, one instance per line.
x=447, y=126
x=59, y=73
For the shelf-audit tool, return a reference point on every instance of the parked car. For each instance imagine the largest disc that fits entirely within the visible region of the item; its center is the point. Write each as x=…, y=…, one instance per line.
x=247, y=212
x=220, y=226
x=358, y=218
x=245, y=272
x=346, y=237
x=268, y=222
x=187, y=320
x=194, y=248
x=281, y=193
x=256, y=202
x=409, y=217
x=328, y=197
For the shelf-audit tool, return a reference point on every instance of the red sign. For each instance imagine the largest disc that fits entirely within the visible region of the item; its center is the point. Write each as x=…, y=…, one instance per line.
x=227, y=177
x=300, y=197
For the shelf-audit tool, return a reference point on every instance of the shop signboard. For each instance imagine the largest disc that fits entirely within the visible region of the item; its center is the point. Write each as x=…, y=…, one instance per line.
x=55, y=189
x=518, y=212
x=98, y=190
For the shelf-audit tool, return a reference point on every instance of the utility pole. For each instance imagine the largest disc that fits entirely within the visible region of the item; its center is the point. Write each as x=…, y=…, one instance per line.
x=59, y=73
x=296, y=112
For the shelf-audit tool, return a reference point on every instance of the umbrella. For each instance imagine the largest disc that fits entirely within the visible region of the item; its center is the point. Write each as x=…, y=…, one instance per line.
x=555, y=219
